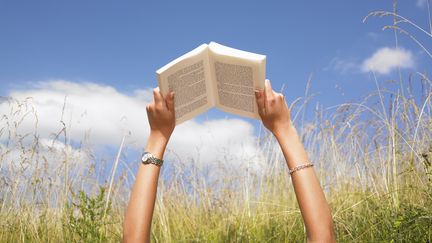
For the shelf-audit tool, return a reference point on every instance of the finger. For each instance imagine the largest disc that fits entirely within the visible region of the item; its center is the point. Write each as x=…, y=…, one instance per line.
x=268, y=89
x=277, y=95
x=150, y=108
x=282, y=97
x=169, y=100
x=260, y=101
x=158, y=97
x=269, y=95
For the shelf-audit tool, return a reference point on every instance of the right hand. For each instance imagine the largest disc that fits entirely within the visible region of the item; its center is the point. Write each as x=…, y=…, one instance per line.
x=160, y=113
x=273, y=110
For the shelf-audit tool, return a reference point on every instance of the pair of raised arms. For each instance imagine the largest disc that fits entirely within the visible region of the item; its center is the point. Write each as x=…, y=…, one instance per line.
x=232, y=94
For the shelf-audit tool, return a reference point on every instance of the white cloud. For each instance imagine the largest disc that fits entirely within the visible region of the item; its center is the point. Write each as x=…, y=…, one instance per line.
x=225, y=142
x=94, y=110
x=102, y=114
x=341, y=65
x=384, y=60
x=421, y=3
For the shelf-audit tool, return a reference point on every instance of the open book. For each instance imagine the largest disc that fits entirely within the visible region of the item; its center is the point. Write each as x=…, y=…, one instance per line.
x=213, y=75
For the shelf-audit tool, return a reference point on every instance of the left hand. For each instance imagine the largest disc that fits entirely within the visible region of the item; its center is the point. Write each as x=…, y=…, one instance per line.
x=273, y=110
x=160, y=113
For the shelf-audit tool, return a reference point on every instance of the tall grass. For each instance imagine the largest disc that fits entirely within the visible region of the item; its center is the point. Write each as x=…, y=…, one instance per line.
x=373, y=158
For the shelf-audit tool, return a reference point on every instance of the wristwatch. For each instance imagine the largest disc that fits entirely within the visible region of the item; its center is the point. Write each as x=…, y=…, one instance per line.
x=149, y=158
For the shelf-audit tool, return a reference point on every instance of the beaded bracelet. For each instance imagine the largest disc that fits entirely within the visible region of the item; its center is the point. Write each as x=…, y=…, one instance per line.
x=300, y=167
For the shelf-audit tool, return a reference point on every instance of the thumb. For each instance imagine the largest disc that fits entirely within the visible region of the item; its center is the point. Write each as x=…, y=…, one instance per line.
x=170, y=101
x=260, y=102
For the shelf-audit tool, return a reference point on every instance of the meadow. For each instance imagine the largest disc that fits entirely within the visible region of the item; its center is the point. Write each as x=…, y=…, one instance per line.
x=373, y=157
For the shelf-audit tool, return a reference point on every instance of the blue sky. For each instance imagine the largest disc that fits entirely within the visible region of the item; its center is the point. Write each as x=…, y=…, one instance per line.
x=120, y=44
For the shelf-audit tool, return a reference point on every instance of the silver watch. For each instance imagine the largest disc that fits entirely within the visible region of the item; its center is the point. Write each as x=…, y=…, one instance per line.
x=149, y=158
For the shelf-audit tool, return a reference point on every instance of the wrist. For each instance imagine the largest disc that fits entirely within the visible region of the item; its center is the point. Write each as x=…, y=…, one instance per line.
x=156, y=144
x=159, y=136
x=292, y=147
x=285, y=132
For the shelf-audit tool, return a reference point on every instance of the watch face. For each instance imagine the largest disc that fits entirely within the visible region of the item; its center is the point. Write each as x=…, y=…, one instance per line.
x=146, y=157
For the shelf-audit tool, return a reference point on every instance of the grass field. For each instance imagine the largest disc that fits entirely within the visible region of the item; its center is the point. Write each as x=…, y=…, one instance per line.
x=373, y=157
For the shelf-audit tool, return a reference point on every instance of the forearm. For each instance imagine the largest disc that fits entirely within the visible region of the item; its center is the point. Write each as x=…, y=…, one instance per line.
x=142, y=200
x=313, y=205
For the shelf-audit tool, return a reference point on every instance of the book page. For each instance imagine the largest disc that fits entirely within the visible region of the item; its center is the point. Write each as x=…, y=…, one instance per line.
x=189, y=77
x=236, y=75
